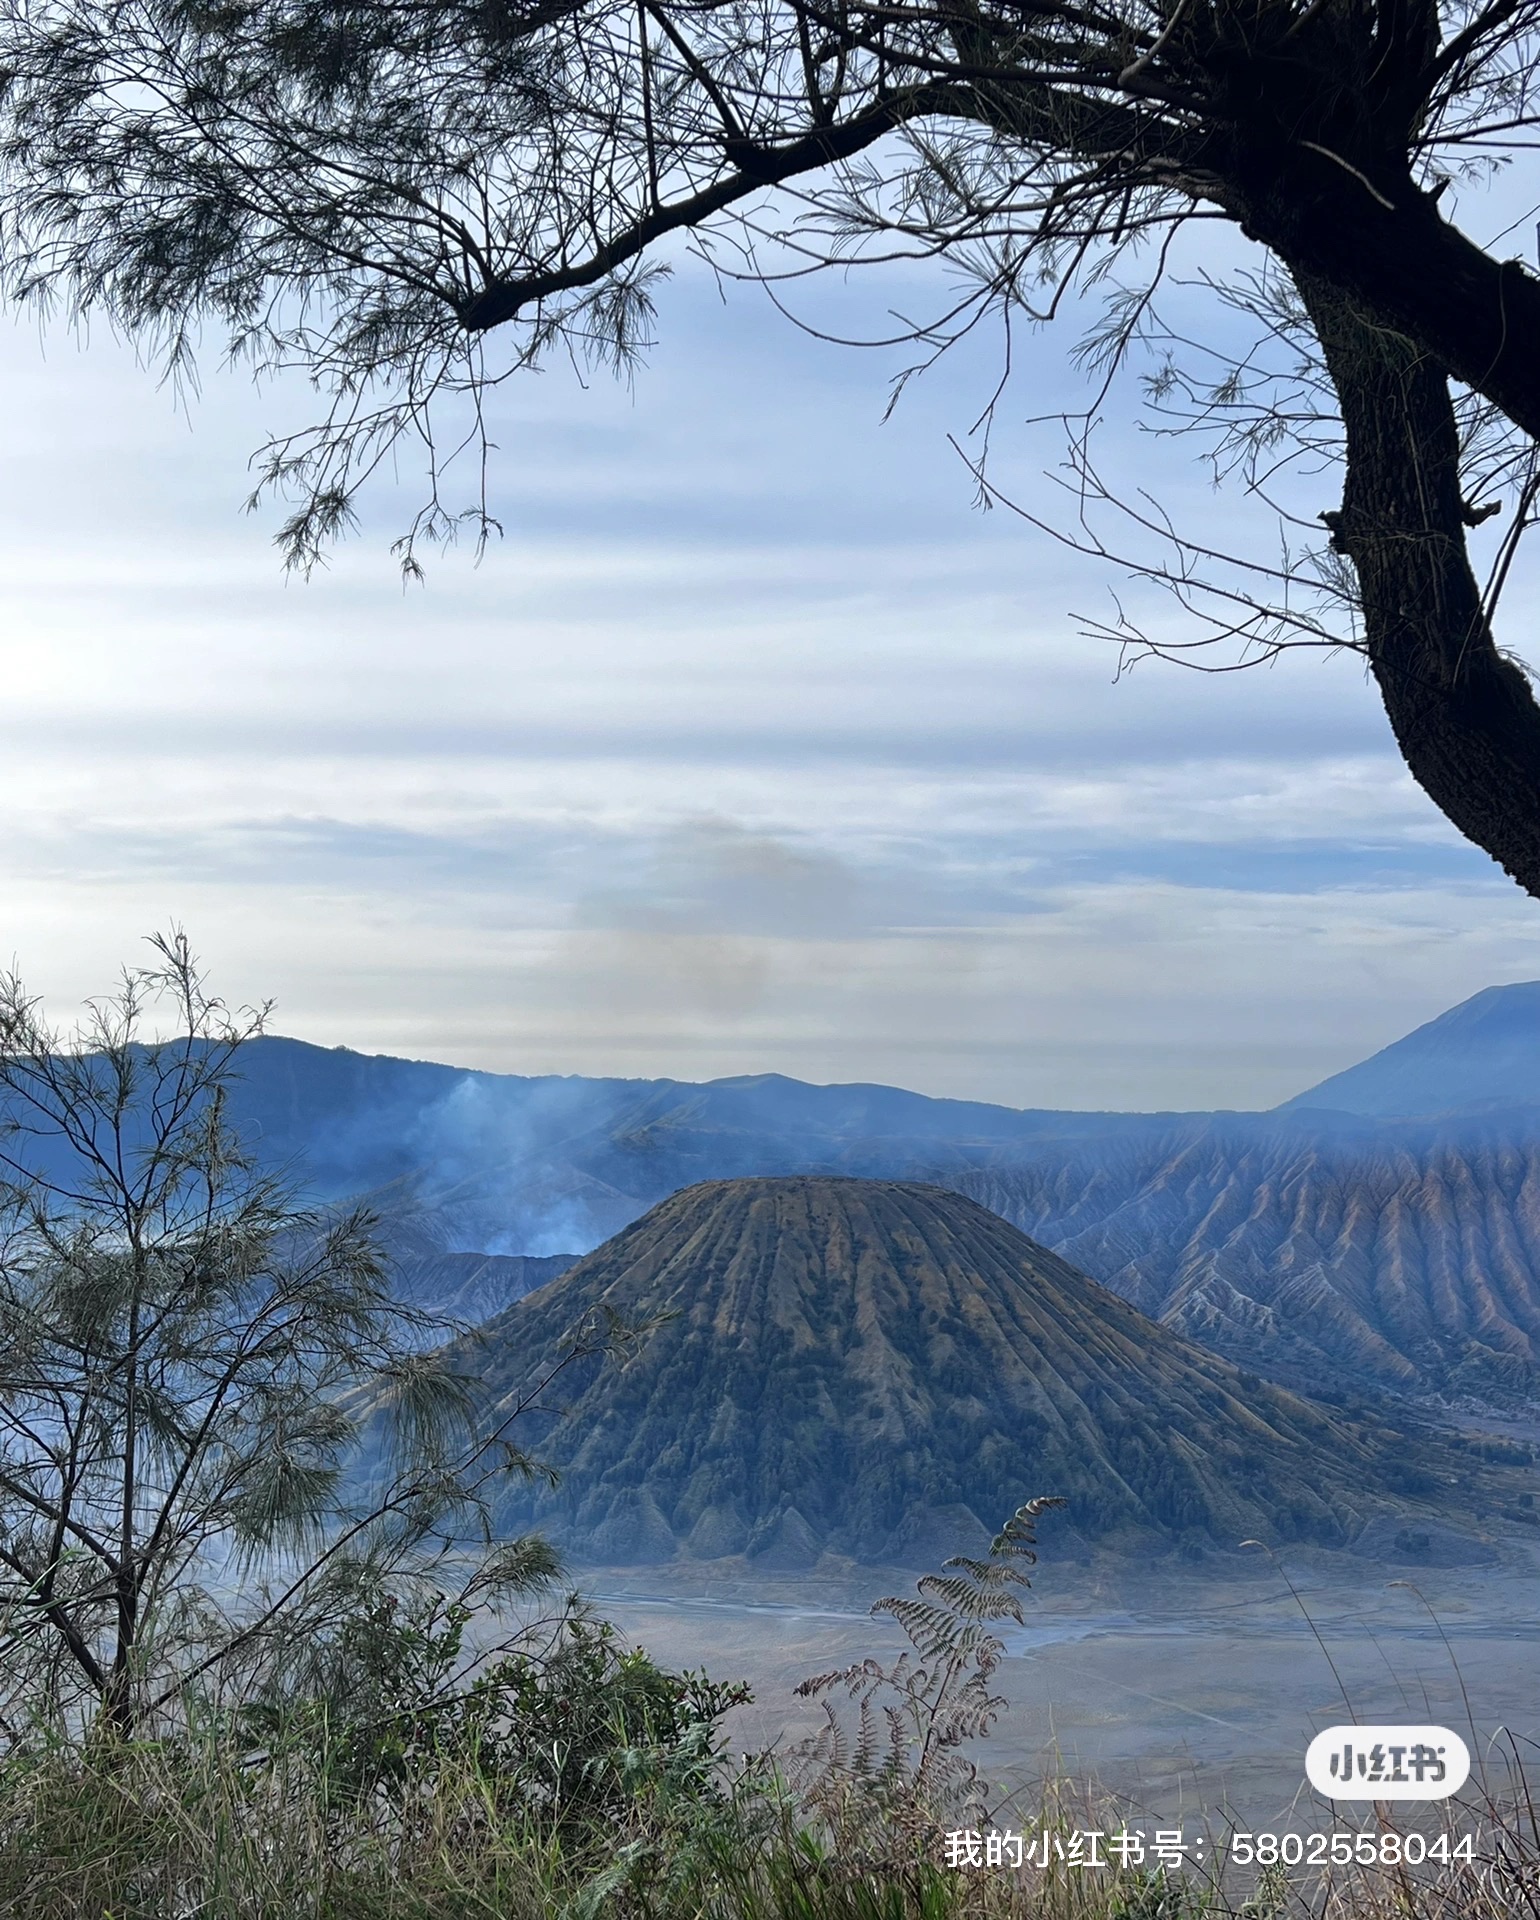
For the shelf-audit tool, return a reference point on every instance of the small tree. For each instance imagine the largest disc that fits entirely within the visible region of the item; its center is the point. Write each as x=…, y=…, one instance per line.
x=186, y=1358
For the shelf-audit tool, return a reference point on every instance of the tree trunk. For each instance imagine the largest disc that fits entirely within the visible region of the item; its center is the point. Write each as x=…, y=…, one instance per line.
x=1405, y=264
x=1464, y=717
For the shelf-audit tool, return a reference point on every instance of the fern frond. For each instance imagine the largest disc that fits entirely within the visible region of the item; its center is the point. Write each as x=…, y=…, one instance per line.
x=988, y=1598
x=1019, y=1534
x=864, y=1762
x=819, y=1683
x=937, y=1699
x=932, y=1630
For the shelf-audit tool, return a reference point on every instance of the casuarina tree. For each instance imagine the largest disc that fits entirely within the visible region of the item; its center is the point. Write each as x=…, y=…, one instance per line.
x=188, y=1359
x=409, y=202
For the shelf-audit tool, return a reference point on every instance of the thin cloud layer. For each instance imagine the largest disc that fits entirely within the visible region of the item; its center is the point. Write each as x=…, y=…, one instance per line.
x=750, y=748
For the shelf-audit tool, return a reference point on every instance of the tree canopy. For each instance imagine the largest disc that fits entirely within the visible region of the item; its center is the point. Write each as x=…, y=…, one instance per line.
x=410, y=202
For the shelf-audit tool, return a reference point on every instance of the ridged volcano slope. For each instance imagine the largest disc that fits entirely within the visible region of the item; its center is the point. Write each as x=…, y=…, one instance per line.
x=885, y=1369
x=1410, y=1265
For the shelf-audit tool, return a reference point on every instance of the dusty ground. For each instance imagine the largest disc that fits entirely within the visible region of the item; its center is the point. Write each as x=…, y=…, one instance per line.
x=1189, y=1697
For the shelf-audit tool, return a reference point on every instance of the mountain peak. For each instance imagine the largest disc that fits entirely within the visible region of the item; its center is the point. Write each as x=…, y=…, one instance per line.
x=1483, y=1053
x=882, y=1368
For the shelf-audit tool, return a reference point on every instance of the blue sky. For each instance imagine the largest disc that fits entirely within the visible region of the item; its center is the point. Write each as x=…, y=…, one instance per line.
x=751, y=746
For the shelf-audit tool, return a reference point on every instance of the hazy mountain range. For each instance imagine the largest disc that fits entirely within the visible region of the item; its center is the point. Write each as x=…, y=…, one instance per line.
x=1382, y=1228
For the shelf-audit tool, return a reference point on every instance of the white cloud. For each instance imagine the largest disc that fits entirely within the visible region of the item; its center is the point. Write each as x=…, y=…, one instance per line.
x=750, y=748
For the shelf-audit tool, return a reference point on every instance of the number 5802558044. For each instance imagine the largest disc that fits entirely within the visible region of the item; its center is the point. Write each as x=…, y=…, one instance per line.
x=1340, y=1849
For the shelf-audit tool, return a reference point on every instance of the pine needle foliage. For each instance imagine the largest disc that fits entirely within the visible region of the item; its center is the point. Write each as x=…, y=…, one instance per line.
x=902, y=1762
x=406, y=205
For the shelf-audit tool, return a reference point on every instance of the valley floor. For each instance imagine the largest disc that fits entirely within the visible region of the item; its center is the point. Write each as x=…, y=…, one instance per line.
x=1188, y=1698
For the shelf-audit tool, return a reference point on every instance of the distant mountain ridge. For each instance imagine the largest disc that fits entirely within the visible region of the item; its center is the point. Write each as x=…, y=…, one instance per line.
x=882, y=1370
x=1333, y=1247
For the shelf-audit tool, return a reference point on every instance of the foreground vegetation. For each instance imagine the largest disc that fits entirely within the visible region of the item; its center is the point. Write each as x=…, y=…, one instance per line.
x=566, y=1775
x=254, y=1660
